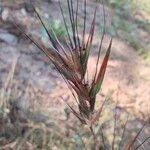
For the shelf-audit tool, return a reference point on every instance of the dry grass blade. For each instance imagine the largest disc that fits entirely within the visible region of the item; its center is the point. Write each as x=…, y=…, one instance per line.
x=115, y=124
x=123, y=133
x=131, y=143
x=6, y=91
x=142, y=143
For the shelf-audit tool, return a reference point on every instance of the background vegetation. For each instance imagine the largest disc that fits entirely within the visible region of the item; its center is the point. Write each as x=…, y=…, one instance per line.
x=56, y=127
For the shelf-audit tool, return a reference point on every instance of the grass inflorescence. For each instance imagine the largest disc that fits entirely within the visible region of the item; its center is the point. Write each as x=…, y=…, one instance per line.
x=70, y=59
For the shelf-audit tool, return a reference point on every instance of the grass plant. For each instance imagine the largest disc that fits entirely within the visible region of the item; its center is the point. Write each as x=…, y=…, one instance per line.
x=71, y=61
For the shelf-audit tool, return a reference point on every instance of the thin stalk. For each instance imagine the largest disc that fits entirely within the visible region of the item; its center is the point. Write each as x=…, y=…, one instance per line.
x=84, y=26
x=103, y=138
x=42, y=49
x=133, y=141
x=94, y=137
x=77, y=32
x=123, y=133
x=64, y=20
x=33, y=41
x=142, y=143
x=61, y=46
x=70, y=50
x=50, y=37
x=115, y=123
x=71, y=21
x=101, y=42
x=89, y=41
x=74, y=28
x=139, y=141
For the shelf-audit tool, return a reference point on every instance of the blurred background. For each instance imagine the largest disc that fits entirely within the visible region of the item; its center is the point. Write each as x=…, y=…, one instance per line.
x=33, y=112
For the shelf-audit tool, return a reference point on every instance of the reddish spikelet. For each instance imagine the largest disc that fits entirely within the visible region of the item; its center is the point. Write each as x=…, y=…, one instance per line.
x=72, y=65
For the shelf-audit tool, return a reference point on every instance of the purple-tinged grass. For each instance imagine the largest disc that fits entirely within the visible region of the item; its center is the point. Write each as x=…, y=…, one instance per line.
x=71, y=61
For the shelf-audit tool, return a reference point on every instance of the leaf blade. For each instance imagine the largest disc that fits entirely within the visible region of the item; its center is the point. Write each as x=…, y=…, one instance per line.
x=99, y=80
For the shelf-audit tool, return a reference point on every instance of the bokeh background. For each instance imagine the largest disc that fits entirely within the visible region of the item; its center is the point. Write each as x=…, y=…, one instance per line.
x=33, y=94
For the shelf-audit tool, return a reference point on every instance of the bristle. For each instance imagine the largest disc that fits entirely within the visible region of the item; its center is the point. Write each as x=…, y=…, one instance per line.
x=49, y=35
x=76, y=24
x=71, y=21
x=100, y=44
x=66, y=27
x=84, y=24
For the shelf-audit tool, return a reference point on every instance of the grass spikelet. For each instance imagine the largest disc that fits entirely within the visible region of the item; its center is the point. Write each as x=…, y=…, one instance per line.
x=73, y=65
x=71, y=61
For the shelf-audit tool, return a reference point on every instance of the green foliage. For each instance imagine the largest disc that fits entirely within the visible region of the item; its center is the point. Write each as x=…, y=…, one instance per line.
x=145, y=55
x=122, y=7
x=122, y=14
x=125, y=25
